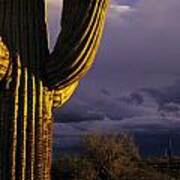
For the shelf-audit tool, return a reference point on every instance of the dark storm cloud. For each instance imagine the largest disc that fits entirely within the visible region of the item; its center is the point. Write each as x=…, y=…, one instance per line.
x=170, y=94
x=145, y=39
x=106, y=92
x=129, y=85
x=115, y=108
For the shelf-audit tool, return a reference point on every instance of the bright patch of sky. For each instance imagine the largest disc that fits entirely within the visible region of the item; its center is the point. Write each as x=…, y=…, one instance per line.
x=125, y=2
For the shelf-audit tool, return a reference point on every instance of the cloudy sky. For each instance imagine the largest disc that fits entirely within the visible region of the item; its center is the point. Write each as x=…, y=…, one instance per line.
x=135, y=81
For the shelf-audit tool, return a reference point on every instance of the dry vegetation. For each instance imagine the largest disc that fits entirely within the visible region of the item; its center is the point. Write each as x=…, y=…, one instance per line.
x=106, y=157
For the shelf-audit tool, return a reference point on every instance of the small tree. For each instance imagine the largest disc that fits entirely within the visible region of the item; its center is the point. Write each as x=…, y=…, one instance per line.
x=111, y=155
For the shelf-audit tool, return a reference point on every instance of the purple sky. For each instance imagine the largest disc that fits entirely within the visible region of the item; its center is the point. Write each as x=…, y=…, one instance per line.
x=141, y=37
x=134, y=82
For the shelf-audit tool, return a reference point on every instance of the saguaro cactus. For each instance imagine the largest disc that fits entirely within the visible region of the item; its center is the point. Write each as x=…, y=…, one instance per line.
x=33, y=81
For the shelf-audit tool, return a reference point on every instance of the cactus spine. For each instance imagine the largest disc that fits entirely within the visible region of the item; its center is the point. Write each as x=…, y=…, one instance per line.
x=32, y=81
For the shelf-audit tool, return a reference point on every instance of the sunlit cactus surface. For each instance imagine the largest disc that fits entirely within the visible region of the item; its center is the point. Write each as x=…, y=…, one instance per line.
x=34, y=81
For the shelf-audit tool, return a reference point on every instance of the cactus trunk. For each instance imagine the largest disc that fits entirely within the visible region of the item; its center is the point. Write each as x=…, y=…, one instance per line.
x=26, y=129
x=34, y=81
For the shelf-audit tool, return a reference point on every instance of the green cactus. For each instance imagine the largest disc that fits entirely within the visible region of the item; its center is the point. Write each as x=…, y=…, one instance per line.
x=33, y=81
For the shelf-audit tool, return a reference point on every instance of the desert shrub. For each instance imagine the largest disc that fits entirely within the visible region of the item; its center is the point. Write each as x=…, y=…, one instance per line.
x=144, y=174
x=111, y=155
x=105, y=157
x=73, y=168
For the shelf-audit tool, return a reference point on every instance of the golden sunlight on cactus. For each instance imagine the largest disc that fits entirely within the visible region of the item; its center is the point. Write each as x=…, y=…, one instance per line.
x=35, y=81
x=4, y=59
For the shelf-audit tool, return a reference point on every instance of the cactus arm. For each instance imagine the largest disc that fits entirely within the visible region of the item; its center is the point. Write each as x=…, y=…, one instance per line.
x=61, y=96
x=75, y=50
x=4, y=60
